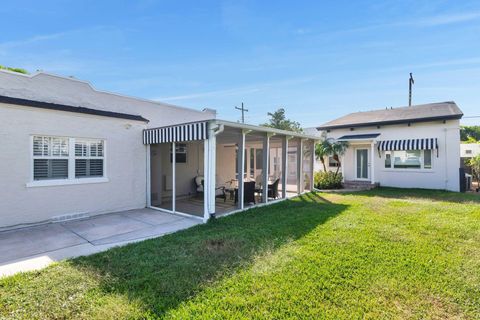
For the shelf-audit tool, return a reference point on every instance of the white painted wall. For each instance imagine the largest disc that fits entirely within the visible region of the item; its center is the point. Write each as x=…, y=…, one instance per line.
x=125, y=166
x=55, y=89
x=469, y=150
x=445, y=171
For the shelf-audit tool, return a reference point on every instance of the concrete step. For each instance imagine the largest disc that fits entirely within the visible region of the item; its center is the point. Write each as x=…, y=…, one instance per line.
x=362, y=185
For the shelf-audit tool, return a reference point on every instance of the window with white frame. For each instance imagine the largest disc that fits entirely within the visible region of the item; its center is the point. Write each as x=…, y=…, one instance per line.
x=62, y=158
x=89, y=158
x=50, y=158
x=408, y=159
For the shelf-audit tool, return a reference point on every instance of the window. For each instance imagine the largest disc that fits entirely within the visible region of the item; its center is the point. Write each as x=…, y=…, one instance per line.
x=468, y=151
x=180, y=153
x=259, y=159
x=88, y=158
x=50, y=158
x=408, y=159
x=62, y=158
x=427, y=159
x=332, y=162
x=388, y=160
x=252, y=162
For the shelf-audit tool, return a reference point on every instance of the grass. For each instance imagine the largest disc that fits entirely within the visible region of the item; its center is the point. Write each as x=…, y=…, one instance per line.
x=387, y=253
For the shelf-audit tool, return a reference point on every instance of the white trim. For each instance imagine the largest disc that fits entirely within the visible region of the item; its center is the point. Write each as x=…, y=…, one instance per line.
x=65, y=182
x=174, y=171
x=177, y=213
x=372, y=163
x=355, y=165
x=149, y=177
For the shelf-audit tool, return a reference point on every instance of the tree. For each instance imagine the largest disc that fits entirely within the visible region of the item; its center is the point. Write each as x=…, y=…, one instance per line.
x=470, y=134
x=474, y=163
x=321, y=151
x=19, y=70
x=279, y=121
x=330, y=147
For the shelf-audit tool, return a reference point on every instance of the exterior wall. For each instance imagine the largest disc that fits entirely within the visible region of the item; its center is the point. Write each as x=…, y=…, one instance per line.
x=125, y=166
x=226, y=159
x=469, y=150
x=51, y=88
x=445, y=171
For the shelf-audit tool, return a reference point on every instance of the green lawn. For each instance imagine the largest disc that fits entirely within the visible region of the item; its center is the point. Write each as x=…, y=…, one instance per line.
x=388, y=253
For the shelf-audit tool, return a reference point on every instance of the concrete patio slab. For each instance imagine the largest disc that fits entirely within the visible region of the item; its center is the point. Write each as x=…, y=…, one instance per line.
x=26, y=242
x=36, y=247
x=104, y=226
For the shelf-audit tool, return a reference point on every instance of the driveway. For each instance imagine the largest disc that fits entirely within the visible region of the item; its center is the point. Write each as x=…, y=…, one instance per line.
x=36, y=247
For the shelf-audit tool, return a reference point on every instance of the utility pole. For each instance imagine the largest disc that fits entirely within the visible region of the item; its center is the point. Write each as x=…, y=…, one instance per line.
x=410, y=83
x=243, y=112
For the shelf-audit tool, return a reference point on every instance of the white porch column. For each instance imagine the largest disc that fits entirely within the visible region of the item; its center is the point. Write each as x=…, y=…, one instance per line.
x=241, y=168
x=149, y=178
x=372, y=163
x=212, y=167
x=312, y=165
x=206, y=170
x=300, y=166
x=284, y=165
x=266, y=162
x=174, y=169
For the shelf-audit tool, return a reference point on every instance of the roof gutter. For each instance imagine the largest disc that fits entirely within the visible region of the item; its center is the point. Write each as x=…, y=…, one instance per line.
x=391, y=122
x=67, y=108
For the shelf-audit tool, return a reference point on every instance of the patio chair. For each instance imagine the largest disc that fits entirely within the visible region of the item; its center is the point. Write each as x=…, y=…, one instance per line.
x=248, y=192
x=273, y=189
x=198, y=182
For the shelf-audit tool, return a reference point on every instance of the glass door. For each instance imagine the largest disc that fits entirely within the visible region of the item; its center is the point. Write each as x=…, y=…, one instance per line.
x=362, y=164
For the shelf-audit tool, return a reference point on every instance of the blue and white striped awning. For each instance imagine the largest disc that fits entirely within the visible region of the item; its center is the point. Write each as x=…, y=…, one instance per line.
x=408, y=144
x=177, y=133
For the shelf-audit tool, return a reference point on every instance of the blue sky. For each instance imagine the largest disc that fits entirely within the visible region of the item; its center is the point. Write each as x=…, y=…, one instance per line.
x=317, y=59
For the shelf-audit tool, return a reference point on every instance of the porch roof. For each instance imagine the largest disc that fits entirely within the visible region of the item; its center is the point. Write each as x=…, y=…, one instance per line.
x=355, y=137
x=265, y=129
x=198, y=130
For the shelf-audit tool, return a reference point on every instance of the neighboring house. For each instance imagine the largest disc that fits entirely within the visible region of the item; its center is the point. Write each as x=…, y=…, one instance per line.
x=70, y=151
x=407, y=147
x=468, y=151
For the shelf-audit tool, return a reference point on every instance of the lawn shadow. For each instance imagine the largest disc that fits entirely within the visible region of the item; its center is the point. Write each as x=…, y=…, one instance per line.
x=165, y=272
x=422, y=194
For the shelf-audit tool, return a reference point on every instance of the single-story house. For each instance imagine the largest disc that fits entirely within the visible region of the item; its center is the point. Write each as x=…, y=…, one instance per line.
x=406, y=147
x=71, y=151
x=468, y=151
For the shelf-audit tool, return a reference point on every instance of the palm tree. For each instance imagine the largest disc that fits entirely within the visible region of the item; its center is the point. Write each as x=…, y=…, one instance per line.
x=322, y=150
x=338, y=149
x=330, y=147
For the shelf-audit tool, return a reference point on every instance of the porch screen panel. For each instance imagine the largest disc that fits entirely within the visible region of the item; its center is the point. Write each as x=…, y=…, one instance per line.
x=179, y=133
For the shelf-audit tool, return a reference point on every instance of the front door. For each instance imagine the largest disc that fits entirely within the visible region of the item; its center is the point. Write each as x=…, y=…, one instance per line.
x=361, y=156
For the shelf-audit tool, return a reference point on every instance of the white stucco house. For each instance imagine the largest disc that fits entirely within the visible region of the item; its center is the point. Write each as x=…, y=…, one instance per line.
x=72, y=151
x=406, y=147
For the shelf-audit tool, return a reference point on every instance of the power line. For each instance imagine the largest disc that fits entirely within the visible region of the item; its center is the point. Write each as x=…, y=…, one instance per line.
x=471, y=117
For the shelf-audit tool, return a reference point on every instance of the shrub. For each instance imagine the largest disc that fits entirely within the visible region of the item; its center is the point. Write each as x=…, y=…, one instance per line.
x=328, y=180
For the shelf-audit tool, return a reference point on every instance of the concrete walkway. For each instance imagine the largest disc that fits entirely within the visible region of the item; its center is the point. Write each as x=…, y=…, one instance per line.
x=36, y=247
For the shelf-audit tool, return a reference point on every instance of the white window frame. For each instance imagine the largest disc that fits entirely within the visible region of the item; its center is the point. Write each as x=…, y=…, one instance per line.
x=71, y=180
x=422, y=162
x=89, y=156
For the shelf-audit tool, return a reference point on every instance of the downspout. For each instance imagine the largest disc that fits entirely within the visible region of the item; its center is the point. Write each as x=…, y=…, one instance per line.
x=209, y=174
x=446, y=159
x=219, y=129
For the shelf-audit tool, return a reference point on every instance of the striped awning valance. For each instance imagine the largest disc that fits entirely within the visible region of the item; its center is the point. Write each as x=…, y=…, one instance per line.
x=408, y=144
x=178, y=133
